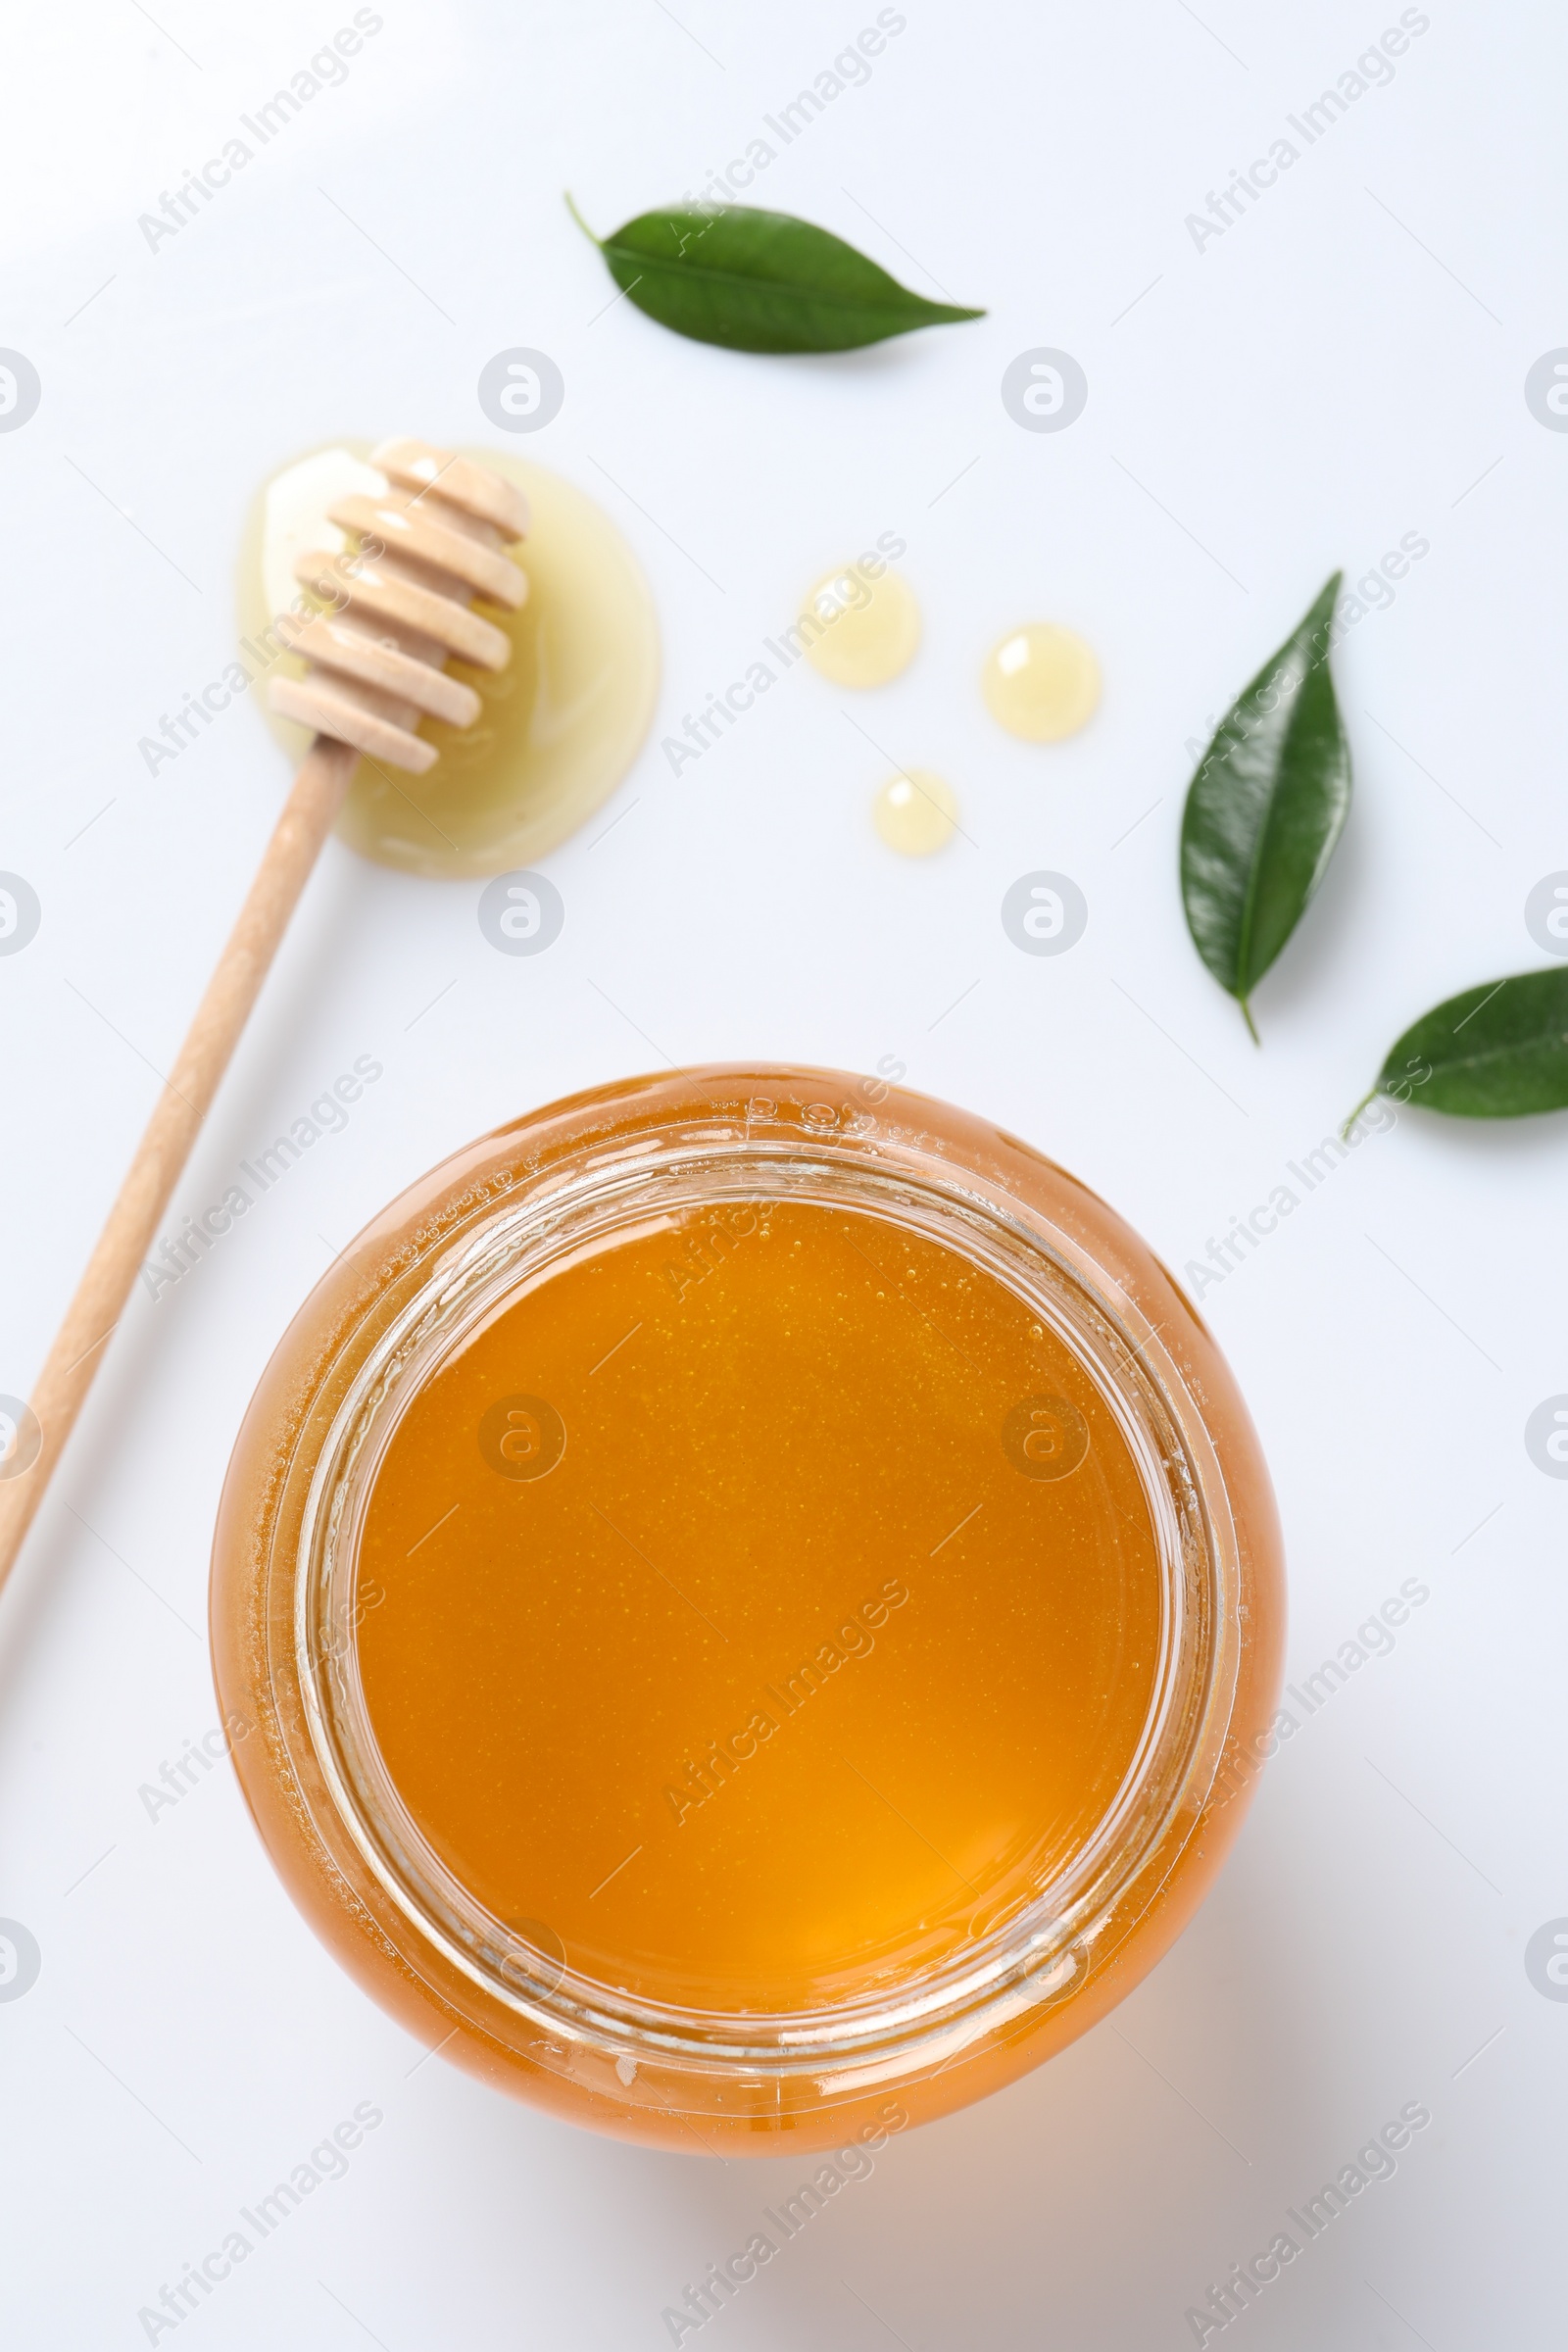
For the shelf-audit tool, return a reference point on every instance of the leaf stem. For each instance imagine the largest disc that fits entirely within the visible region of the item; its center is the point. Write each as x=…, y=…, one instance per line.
x=1246, y=1015
x=1371, y=1094
x=581, y=222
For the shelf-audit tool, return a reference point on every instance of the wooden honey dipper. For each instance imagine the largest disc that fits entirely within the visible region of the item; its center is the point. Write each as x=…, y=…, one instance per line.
x=429, y=544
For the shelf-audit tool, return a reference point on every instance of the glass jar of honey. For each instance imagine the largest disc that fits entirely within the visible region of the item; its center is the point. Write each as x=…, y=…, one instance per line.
x=748, y=1590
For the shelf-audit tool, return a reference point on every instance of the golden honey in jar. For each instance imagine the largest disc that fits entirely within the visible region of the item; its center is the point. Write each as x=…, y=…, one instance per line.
x=747, y=1581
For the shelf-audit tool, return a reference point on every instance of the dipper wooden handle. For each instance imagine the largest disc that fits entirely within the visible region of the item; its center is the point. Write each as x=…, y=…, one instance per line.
x=379, y=680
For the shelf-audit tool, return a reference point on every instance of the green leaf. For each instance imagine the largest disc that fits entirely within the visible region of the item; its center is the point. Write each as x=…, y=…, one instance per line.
x=1265, y=808
x=1499, y=1052
x=760, y=281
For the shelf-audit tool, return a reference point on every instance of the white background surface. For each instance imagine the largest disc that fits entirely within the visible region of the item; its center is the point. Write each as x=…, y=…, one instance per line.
x=1344, y=366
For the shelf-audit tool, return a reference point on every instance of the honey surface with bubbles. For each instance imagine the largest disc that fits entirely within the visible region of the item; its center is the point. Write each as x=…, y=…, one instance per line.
x=763, y=1605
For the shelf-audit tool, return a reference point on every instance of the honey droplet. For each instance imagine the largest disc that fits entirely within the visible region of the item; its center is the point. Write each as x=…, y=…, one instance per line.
x=916, y=812
x=866, y=630
x=1041, y=682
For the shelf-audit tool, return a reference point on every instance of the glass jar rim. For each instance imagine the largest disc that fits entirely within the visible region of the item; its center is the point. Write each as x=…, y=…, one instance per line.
x=1031, y=1956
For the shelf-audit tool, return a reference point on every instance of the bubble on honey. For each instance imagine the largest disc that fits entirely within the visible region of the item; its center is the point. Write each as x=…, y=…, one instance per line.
x=916, y=812
x=559, y=726
x=861, y=631
x=1041, y=682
